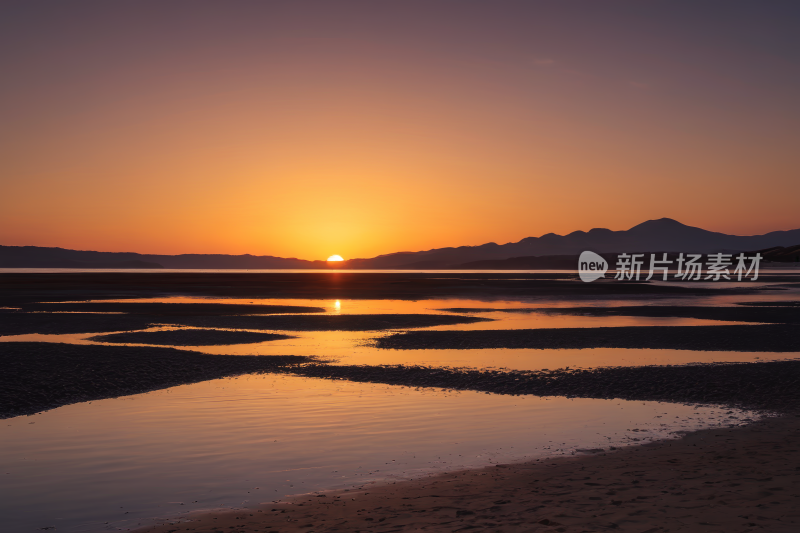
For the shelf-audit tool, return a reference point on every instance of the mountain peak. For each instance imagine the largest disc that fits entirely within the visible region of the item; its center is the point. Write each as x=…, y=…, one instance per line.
x=660, y=223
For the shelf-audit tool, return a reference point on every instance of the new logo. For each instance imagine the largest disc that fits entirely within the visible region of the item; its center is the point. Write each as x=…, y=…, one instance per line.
x=591, y=266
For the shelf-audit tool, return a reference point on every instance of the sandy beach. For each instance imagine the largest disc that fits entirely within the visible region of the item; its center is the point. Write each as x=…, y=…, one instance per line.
x=719, y=480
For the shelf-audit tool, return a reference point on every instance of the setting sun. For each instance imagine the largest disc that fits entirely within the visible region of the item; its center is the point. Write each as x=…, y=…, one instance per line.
x=335, y=258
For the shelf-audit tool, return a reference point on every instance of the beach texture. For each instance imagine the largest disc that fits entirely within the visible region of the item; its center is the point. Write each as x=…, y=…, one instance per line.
x=716, y=481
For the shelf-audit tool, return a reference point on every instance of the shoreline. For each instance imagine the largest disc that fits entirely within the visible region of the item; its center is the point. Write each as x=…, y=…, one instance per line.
x=719, y=479
x=40, y=376
x=735, y=338
x=734, y=479
x=768, y=385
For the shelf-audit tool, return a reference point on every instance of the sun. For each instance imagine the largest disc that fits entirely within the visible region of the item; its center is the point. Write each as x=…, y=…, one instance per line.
x=335, y=258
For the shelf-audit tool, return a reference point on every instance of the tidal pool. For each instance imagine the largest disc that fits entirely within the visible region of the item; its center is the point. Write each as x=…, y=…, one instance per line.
x=117, y=464
x=357, y=347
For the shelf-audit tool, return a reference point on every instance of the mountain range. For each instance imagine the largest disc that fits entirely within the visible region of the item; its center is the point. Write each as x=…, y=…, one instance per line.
x=547, y=251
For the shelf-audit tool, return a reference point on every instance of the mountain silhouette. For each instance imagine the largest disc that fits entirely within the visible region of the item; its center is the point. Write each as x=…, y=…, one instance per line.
x=662, y=235
x=40, y=257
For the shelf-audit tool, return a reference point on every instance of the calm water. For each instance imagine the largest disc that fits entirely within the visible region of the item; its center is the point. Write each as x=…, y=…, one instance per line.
x=347, y=347
x=118, y=463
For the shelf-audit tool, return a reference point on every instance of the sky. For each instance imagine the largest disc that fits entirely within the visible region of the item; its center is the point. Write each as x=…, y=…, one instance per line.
x=306, y=129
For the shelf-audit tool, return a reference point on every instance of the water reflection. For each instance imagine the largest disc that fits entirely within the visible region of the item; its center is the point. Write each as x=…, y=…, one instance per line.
x=114, y=463
x=347, y=347
x=254, y=439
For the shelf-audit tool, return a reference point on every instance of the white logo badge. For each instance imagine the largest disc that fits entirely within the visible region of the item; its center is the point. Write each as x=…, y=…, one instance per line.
x=591, y=266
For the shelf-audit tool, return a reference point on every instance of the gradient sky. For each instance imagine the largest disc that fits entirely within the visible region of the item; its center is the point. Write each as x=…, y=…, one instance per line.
x=305, y=129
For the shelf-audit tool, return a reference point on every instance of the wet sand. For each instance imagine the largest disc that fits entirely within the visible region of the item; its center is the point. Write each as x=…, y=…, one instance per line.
x=376, y=322
x=169, y=309
x=777, y=314
x=16, y=323
x=21, y=323
x=40, y=376
x=769, y=314
x=772, y=304
x=717, y=481
x=190, y=337
x=769, y=385
x=738, y=338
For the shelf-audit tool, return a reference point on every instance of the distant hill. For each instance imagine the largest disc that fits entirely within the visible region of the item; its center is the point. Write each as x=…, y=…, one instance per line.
x=662, y=235
x=547, y=251
x=568, y=262
x=780, y=254
x=38, y=257
x=545, y=262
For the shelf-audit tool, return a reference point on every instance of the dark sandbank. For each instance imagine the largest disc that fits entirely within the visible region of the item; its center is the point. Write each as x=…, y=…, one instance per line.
x=776, y=315
x=738, y=338
x=328, y=322
x=523, y=310
x=767, y=385
x=18, y=323
x=190, y=337
x=41, y=376
x=171, y=309
x=771, y=304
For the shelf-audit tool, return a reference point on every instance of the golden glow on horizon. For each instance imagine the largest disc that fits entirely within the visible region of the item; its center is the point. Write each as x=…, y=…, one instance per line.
x=334, y=258
x=236, y=131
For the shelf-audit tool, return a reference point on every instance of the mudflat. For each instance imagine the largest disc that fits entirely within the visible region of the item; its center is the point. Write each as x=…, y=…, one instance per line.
x=755, y=312
x=189, y=337
x=21, y=323
x=375, y=322
x=772, y=385
x=169, y=309
x=736, y=338
x=38, y=376
x=740, y=479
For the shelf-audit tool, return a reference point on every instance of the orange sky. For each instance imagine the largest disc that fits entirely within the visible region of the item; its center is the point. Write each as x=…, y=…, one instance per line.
x=305, y=130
